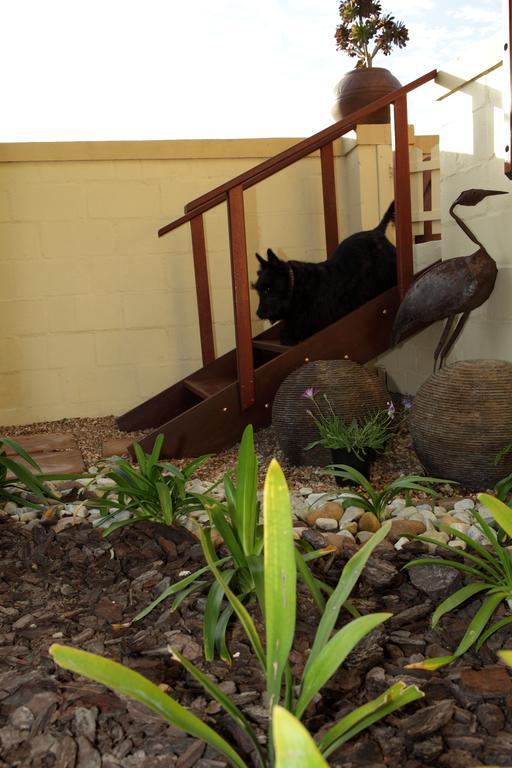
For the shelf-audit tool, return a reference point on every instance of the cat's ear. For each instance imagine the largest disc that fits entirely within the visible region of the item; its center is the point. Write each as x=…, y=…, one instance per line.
x=273, y=260
x=262, y=261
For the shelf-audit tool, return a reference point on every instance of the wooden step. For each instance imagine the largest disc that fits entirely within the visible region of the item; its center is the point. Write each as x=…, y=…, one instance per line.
x=270, y=346
x=205, y=388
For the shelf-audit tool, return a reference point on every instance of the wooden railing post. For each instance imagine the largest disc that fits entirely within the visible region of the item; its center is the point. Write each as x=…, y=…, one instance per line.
x=403, y=215
x=329, y=196
x=240, y=276
x=204, y=308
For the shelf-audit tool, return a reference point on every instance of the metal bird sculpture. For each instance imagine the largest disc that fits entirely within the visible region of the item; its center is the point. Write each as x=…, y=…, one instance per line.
x=448, y=288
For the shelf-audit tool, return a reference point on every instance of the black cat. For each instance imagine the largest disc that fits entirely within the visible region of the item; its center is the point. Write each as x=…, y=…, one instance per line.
x=308, y=296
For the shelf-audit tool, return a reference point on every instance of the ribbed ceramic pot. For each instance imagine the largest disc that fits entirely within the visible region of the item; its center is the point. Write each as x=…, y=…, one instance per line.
x=461, y=418
x=360, y=87
x=352, y=389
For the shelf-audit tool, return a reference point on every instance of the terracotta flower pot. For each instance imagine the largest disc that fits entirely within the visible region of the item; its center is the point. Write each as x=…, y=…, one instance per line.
x=360, y=87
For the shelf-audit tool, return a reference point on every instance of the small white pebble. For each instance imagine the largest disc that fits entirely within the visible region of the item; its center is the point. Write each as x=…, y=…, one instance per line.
x=184, y=573
x=326, y=524
x=401, y=542
x=464, y=504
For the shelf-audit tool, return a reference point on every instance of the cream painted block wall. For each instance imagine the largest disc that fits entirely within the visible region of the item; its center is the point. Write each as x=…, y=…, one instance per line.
x=472, y=144
x=96, y=312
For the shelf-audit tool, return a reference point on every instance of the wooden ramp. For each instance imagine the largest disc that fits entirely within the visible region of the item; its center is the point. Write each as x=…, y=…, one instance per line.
x=203, y=413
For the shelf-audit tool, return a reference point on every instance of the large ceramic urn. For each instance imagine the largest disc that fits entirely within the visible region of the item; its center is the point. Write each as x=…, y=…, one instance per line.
x=360, y=87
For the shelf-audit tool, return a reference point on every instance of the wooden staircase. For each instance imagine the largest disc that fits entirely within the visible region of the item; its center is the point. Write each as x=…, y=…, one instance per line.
x=202, y=414
x=207, y=411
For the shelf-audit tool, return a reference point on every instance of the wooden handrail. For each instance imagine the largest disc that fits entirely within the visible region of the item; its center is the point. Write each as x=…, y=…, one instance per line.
x=232, y=192
x=288, y=156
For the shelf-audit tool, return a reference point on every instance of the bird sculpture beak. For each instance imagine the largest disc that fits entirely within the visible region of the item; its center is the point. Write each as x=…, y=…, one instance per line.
x=475, y=196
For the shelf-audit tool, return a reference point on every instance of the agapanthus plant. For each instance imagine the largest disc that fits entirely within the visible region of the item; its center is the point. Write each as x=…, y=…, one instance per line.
x=358, y=436
x=490, y=576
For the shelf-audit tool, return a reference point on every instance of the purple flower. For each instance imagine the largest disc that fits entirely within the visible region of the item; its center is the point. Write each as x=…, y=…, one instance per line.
x=407, y=404
x=391, y=409
x=309, y=393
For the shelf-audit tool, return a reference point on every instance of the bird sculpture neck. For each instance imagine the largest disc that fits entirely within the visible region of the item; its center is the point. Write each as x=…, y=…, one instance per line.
x=465, y=228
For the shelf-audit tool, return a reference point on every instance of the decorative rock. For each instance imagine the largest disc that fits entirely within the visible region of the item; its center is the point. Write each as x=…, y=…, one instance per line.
x=400, y=528
x=400, y=544
x=369, y=522
x=462, y=527
x=11, y=508
x=28, y=515
x=326, y=524
x=305, y=491
x=476, y=534
x=22, y=718
x=439, y=511
x=364, y=536
x=352, y=527
x=457, y=544
x=464, y=504
x=435, y=580
x=330, y=510
x=439, y=536
x=344, y=542
x=352, y=513
x=407, y=512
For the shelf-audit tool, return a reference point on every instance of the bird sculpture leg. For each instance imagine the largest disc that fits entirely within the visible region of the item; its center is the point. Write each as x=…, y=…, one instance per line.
x=442, y=341
x=453, y=338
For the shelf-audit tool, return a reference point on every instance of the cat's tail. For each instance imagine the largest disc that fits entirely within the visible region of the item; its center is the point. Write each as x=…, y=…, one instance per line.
x=388, y=216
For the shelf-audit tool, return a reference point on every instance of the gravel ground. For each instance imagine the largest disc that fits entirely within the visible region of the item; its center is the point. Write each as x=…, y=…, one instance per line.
x=90, y=434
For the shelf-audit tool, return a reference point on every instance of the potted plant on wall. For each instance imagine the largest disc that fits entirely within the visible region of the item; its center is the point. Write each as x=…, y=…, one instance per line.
x=354, y=442
x=364, y=32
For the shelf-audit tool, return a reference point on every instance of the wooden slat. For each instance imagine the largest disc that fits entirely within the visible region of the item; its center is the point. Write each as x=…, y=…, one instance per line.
x=404, y=239
x=329, y=197
x=204, y=308
x=206, y=387
x=360, y=336
x=240, y=277
x=270, y=346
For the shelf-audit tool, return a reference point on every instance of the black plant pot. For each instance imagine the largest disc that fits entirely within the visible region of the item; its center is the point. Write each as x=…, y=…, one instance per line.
x=342, y=456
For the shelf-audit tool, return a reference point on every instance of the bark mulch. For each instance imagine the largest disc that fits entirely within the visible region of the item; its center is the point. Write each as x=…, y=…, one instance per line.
x=75, y=587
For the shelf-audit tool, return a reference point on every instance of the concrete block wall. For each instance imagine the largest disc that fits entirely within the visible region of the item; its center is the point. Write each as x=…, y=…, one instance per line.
x=96, y=312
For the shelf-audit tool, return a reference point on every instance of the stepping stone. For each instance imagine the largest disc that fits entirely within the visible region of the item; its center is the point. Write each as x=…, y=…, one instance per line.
x=117, y=446
x=56, y=453
x=44, y=443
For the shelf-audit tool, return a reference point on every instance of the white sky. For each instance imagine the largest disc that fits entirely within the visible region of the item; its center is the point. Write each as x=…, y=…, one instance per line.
x=173, y=69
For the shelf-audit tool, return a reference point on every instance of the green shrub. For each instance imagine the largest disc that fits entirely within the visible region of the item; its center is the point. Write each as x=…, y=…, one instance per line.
x=237, y=521
x=490, y=573
x=23, y=480
x=372, y=501
x=155, y=490
x=330, y=647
